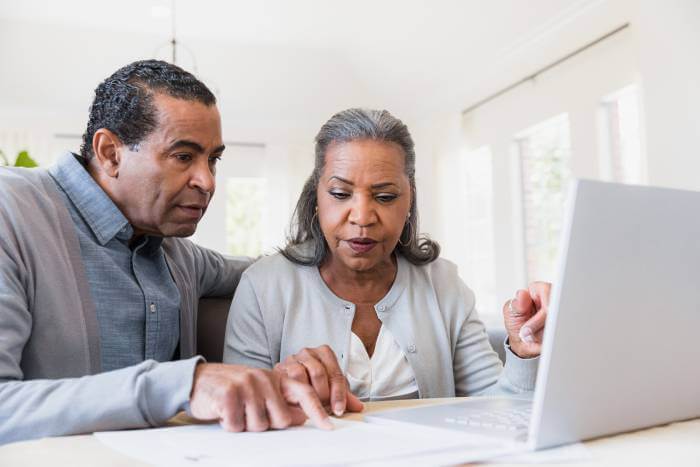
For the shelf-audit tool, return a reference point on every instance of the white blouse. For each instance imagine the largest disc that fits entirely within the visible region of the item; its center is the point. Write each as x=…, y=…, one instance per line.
x=386, y=375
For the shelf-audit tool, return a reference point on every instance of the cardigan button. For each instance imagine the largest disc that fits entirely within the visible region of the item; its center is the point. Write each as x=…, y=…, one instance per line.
x=411, y=348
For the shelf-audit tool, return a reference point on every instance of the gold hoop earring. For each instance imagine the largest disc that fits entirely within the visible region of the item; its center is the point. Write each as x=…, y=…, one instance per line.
x=410, y=236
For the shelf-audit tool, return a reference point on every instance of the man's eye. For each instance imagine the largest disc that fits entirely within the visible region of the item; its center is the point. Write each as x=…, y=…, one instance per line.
x=183, y=157
x=214, y=160
x=339, y=194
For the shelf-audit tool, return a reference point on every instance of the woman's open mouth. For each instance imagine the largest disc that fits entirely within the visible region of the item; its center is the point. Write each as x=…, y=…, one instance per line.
x=362, y=244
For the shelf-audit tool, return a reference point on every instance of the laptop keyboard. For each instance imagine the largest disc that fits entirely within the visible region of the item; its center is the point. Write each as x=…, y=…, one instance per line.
x=514, y=419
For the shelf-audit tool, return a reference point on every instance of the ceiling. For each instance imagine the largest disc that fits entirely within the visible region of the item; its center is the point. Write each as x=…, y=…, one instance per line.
x=291, y=63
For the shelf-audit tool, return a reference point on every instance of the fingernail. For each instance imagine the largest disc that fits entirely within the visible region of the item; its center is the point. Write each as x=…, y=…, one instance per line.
x=338, y=409
x=525, y=335
x=328, y=424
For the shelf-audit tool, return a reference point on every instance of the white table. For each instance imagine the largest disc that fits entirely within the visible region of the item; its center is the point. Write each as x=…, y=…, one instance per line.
x=677, y=444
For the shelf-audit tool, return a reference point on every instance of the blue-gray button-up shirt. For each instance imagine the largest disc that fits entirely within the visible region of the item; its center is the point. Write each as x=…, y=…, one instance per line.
x=136, y=299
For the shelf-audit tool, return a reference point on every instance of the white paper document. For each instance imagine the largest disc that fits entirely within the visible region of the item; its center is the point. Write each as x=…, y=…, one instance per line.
x=350, y=443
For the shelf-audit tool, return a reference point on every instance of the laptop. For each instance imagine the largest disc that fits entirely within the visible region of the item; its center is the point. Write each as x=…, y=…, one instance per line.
x=620, y=349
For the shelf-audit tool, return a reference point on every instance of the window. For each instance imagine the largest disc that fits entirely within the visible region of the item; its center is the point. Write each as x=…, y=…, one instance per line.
x=41, y=146
x=478, y=267
x=622, y=153
x=245, y=204
x=545, y=152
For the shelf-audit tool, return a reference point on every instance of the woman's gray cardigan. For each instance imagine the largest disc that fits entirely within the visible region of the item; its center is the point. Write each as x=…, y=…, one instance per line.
x=280, y=307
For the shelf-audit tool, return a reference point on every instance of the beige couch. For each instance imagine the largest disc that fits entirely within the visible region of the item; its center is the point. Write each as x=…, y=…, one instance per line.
x=211, y=328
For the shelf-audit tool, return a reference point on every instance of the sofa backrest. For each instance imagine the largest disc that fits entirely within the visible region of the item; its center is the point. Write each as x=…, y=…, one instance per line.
x=211, y=327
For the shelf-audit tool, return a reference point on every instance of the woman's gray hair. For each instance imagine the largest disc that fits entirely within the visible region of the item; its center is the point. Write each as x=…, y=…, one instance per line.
x=306, y=244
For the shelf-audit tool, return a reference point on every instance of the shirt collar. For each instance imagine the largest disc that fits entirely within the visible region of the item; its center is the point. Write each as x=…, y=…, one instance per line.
x=97, y=209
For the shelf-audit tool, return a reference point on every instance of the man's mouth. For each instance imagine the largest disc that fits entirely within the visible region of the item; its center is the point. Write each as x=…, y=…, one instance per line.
x=362, y=244
x=193, y=211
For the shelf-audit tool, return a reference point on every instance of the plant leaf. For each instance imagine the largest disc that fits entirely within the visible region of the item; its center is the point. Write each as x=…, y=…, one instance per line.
x=24, y=160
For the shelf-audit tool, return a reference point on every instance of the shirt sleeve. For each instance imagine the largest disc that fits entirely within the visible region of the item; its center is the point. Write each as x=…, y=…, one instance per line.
x=218, y=274
x=477, y=368
x=139, y=396
x=246, y=341
x=143, y=395
x=519, y=374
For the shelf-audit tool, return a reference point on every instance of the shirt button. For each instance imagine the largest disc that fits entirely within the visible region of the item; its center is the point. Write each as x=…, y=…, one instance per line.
x=348, y=306
x=381, y=308
x=152, y=307
x=411, y=348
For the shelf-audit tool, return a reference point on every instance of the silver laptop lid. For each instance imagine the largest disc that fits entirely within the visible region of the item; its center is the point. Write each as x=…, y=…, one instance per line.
x=621, y=348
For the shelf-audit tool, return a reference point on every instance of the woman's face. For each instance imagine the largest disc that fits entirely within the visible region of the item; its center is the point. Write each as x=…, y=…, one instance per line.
x=364, y=198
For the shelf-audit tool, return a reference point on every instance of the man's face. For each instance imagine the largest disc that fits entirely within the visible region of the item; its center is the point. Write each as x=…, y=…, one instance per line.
x=164, y=187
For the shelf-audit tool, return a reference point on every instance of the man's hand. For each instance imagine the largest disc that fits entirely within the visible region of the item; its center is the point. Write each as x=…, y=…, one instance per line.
x=243, y=398
x=524, y=317
x=319, y=367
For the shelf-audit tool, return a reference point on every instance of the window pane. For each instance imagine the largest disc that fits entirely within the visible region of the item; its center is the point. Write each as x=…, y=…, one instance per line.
x=245, y=201
x=478, y=267
x=545, y=152
x=624, y=136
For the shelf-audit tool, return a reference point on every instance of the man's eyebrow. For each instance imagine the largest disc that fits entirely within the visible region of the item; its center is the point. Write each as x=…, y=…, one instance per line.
x=190, y=144
x=194, y=146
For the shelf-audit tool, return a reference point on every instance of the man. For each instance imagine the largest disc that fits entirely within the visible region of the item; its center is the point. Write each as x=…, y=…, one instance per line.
x=99, y=292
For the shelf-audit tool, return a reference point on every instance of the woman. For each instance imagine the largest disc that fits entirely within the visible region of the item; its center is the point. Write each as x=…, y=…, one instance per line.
x=356, y=276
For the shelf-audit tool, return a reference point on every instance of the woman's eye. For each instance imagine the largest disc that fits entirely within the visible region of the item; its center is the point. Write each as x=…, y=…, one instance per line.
x=339, y=194
x=386, y=198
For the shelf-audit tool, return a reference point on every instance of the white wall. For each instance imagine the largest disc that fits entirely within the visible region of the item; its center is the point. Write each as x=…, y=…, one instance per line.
x=659, y=52
x=285, y=168
x=669, y=63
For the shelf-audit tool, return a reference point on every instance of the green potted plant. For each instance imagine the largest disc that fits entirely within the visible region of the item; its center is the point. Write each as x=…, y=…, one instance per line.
x=23, y=160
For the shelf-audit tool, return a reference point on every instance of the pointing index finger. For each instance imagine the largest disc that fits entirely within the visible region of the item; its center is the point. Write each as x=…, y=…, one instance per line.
x=336, y=380
x=302, y=394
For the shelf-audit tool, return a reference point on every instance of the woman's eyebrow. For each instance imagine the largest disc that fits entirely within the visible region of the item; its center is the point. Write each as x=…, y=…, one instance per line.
x=375, y=186
x=384, y=185
x=341, y=179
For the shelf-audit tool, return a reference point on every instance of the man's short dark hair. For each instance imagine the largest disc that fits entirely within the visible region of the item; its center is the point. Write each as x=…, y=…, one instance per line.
x=124, y=103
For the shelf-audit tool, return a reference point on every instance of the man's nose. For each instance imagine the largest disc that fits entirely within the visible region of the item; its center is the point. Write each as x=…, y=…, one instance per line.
x=203, y=178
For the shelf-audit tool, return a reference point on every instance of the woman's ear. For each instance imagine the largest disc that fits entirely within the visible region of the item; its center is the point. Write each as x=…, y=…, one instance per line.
x=105, y=147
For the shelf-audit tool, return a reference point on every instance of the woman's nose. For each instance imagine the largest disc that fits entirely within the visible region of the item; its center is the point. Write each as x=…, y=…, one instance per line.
x=362, y=212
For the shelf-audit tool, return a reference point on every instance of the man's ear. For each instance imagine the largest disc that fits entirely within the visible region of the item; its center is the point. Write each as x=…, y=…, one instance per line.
x=106, y=147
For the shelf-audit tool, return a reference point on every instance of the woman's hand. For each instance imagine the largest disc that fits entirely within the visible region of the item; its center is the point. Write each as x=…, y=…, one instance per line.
x=524, y=317
x=319, y=367
x=250, y=399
